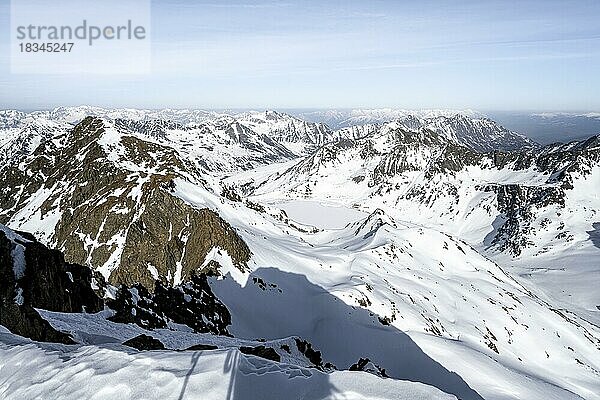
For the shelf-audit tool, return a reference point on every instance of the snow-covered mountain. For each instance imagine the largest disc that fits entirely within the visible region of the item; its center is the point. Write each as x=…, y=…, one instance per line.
x=199, y=126
x=510, y=205
x=432, y=276
x=338, y=119
x=393, y=164
x=481, y=134
x=300, y=137
x=467, y=127
x=94, y=192
x=77, y=114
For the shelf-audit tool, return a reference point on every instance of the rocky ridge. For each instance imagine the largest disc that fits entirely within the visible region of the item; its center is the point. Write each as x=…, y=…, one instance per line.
x=105, y=198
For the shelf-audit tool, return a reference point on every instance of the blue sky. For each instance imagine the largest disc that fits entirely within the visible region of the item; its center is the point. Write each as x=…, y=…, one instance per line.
x=484, y=55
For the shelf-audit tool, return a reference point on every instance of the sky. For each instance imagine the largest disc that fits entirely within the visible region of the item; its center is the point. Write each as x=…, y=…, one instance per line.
x=541, y=55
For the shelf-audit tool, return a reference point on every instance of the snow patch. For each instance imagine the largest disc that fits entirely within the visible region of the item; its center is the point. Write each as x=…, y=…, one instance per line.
x=224, y=260
x=18, y=251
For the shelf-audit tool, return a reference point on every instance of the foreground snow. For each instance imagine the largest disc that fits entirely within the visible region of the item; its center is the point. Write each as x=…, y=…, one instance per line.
x=31, y=370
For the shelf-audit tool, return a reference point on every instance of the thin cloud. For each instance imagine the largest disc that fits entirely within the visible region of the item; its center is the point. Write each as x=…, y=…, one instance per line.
x=465, y=60
x=246, y=5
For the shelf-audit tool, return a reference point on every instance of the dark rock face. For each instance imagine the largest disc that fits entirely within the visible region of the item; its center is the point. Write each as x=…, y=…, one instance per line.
x=54, y=285
x=445, y=156
x=151, y=128
x=516, y=203
x=45, y=282
x=261, y=351
x=200, y=347
x=312, y=355
x=148, y=242
x=193, y=304
x=364, y=364
x=145, y=342
x=230, y=193
x=48, y=282
x=21, y=319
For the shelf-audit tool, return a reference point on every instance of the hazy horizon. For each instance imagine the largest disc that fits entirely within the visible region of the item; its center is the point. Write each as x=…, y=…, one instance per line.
x=303, y=109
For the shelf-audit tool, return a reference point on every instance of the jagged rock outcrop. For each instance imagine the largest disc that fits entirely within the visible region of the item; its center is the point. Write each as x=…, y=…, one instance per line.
x=262, y=352
x=192, y=304
x=34, y=276
x=366, y=365
x=144, y=342
x=517, y=203
x=314, y=356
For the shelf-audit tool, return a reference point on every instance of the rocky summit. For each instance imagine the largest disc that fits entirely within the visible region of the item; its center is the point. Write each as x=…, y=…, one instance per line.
x=106, y=199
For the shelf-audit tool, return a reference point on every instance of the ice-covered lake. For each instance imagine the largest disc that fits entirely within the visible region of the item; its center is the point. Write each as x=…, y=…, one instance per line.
x=320, y=215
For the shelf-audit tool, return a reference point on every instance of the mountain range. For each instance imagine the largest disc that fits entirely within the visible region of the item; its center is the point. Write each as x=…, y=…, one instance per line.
x=374, y=253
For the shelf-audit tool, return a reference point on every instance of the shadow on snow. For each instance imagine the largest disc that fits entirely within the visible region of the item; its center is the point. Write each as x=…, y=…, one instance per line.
x=595, y=234
x=342, y=333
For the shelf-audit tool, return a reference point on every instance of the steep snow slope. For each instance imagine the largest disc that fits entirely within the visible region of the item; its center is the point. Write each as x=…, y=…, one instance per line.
x=68, y=290
x=448, y=298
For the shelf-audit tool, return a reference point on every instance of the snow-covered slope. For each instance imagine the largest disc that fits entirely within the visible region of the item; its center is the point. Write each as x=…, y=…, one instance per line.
x=422, y=282
x=292, y=357
x=520, y=207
